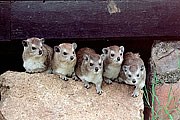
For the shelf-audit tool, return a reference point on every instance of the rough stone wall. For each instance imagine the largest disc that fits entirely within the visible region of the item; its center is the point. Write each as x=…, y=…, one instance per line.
x=46, y=97
x=164, y=74
x=164, y=61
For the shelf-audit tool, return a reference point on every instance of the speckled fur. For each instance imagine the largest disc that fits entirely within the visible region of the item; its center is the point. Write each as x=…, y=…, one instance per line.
x=112, y=64
x=133, y=69
x=86, y=72
x=62, y=64
x=32, y=61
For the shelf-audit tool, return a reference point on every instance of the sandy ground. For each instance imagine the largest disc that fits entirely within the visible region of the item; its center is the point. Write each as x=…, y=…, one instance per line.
x=46, y=97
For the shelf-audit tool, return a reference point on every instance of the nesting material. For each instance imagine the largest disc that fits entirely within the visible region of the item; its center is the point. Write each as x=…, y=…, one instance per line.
x=46, y=97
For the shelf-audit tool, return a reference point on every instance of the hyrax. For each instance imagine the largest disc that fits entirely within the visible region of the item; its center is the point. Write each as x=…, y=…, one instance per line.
x=133, y=72
x=112, y=62
x=36, y=55
x=90, y=68
x=64, y=60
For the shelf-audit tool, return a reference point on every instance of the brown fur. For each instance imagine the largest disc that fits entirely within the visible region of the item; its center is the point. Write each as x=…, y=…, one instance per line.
x=62, y=64
x=47, y=53
x=108, y=60
x=132, y=59
x=85, y=51
x=133, y=72
x=112, y=64
x=87, y=72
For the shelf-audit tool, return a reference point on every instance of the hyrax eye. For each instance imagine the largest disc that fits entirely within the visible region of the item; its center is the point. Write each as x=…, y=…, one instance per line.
x=33, y=48
x=137, y=75
x=142, y=68
x=129, y=75
x=64, y=53
x=112, y=55
x=91, y=64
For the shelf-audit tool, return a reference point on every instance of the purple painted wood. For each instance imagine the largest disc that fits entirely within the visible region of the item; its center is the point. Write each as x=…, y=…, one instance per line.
x=91, y=19
x=4, y=21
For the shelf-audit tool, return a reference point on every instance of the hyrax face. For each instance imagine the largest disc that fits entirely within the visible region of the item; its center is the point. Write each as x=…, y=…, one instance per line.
x=66, y=51
x=133, y=73
x=114, y=54
x=34, y=46
x=94, y=62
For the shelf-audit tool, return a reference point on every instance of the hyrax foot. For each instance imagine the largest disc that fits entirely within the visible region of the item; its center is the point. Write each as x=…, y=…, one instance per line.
x=63, y=77
x=86, y=84
x=75, y=78
x=135, y=93
x=108, y=81
x=69, y=76
x=98, y=88
x=99, y=92
x=30, y=72
x=120, y=80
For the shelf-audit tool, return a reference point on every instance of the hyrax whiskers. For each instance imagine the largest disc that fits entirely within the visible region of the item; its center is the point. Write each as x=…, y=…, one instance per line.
x=64, y=60
x=36, y=55
x=112, y=62
x=90, y=68
x=133, y=72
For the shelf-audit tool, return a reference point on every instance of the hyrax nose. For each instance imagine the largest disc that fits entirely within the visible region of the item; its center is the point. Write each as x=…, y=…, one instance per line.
x=96, y=69
x=133, y=81
x=71, y=57
x=118, y=58
x=40, y=52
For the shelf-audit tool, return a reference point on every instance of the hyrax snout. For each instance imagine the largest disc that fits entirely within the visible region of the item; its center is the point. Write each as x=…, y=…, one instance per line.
x=133, y=72
x=90, y=68
x=36, y=55
x=112, y=62
x=64, y=60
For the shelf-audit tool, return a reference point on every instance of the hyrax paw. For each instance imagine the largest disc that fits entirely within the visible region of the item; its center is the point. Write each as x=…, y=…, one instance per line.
x=99, y=92
x=29, y=72
x=64, y=78
x=120, y=80
x=75, y=78
x=87, y=86
x=135, y=94
x=108, y=81
x=69, y=76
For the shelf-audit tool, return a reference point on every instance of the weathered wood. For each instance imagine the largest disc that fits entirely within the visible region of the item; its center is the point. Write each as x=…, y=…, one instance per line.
x=91, y=19
x=4, y=21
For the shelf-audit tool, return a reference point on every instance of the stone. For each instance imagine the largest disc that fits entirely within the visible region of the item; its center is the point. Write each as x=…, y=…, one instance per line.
x=164, y=61
x=46, y=97
x=173, y=105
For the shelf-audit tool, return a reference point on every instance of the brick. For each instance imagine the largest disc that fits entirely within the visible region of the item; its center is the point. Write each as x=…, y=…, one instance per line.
x=162, y=93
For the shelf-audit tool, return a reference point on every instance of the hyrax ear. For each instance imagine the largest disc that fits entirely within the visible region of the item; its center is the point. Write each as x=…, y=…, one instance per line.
x=25, y=43
x=42, y=40
x=142, y=67
x=57, y=49
x=103, y=57
x=105, y=50
x=74, y=46
x=86, y=58
x=125, y=68
x=137, y=54
x=122, y=48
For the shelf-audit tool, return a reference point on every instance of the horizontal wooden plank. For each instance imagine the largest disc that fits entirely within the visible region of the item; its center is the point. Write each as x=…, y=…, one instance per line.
x=91, y=19
x=4, y=21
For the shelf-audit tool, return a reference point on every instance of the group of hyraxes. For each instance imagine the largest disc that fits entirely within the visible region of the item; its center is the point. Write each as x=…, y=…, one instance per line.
x=86, y=64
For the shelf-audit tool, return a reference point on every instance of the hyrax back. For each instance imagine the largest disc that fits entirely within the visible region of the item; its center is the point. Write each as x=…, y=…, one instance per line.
x=64, y=60
x=133, y=72
x=90, y=67
x=36, y=55
x=112, y=62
